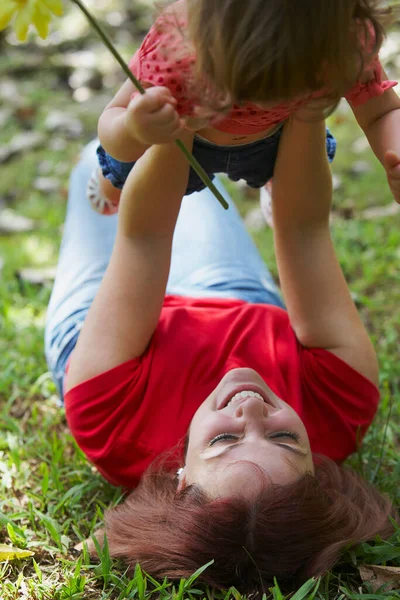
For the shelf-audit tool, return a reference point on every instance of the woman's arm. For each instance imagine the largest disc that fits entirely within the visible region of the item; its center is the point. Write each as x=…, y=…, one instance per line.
x=320, y=307
x=126, y=309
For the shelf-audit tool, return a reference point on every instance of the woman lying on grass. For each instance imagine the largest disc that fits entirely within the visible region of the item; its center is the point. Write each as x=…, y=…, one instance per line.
x=270, y=401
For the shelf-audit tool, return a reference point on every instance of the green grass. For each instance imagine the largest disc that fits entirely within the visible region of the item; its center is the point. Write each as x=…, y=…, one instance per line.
x=50, y=497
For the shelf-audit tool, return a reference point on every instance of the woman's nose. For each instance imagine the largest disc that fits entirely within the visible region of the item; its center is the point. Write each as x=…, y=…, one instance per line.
x=252, y=407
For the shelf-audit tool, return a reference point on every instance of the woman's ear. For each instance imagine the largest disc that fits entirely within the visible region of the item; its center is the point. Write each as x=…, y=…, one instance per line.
x=182, y=481
x=99, y=535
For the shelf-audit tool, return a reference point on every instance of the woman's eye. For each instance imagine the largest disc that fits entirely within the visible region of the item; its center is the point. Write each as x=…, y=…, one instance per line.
x=285, y=434
x=223, y=437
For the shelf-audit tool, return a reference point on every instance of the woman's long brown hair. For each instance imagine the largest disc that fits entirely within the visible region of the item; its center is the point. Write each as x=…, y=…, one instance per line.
x=291, y=532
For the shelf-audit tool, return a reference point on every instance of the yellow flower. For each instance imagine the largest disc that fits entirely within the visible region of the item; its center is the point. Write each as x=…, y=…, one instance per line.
x=24, y=13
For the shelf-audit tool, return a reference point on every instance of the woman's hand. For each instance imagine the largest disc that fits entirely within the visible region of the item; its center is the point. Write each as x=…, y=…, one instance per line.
x=314, y=110
x=151, y=118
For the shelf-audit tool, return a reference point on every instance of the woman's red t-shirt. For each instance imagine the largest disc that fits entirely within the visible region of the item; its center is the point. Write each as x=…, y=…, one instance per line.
x=126, y=417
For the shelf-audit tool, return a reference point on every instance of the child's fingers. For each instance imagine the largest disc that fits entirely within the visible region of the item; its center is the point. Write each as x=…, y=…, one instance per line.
x=176, y=133
x=174, y=129
x=164, y=117
x=166, y=96
x=154, y=99
x=153, y=118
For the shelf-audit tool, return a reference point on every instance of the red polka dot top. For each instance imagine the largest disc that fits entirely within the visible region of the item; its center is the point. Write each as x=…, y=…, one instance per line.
x=162, y=61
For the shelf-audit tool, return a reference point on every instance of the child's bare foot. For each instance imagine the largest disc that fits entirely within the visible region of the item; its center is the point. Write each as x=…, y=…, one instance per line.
x=102, y=195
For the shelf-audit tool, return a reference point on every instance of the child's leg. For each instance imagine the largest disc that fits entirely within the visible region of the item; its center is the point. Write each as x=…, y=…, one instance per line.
x=106, y=182
x=105, y=185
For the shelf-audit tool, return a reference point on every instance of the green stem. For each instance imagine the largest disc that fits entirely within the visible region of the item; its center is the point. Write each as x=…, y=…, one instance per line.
x=107, y=42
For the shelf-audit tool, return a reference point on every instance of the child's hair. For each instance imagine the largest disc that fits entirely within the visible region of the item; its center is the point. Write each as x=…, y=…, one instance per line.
x=274, y=50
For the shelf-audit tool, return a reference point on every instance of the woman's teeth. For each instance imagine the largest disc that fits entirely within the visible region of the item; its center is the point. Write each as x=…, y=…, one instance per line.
x=245, y=394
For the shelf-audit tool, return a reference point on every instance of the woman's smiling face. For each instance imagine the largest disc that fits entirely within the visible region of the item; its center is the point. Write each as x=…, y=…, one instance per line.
x=243, y=424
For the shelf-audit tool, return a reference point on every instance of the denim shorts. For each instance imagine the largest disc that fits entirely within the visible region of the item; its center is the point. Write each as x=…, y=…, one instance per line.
x=253, y=162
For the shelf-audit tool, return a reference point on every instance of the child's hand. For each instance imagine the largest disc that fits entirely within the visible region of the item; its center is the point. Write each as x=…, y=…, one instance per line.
x=392, y=165
x=151, y=118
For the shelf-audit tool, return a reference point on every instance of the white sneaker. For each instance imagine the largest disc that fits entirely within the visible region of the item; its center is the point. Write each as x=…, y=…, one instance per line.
x=266, y=205
x=98, y=201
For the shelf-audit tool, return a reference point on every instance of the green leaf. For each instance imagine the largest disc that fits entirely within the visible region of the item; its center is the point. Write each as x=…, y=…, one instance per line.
x=37, y=571
x=277, y=594
x=51, y=526
x=15, y=538
x=44, y=470
x=305, y=590
x=197, y=574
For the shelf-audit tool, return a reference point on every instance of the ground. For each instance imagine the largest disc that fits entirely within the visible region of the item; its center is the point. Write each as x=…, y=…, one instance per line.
x=50, y=497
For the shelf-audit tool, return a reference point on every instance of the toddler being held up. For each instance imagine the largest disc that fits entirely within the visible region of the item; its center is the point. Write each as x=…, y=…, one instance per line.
x=234, y=72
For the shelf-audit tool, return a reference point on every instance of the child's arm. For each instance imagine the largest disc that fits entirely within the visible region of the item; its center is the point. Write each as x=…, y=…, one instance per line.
x=128, y=126
x=380, y=120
